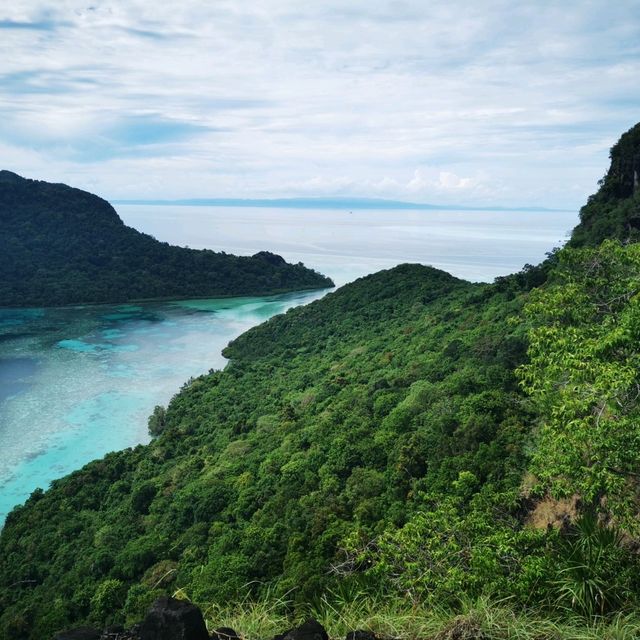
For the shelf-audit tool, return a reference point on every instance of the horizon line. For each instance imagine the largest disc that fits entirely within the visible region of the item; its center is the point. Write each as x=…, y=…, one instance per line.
x=325, y=203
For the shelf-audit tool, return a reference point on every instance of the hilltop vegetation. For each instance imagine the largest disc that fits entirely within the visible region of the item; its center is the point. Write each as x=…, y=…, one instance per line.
x=330, y=421
x=62, y=246
x=410, y=437
x=614, y=211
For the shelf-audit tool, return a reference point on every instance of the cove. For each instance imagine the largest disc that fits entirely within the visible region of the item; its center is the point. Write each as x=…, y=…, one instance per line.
x=79, y=382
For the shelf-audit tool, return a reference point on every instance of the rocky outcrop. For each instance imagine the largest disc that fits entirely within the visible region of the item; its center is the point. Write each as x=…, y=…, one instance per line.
x=172, y=619
x=622, y=179
x=310, y=630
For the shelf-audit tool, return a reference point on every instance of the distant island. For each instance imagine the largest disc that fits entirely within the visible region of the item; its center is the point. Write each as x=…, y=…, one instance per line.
x=343, y=203
x=60, y=245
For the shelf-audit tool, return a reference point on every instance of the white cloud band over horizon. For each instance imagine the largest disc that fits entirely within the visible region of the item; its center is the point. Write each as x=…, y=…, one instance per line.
x=474, y=103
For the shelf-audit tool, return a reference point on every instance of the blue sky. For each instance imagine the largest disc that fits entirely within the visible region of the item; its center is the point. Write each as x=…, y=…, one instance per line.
x=488, y=102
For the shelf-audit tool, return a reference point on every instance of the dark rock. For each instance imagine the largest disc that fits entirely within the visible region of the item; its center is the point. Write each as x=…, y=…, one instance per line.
x=171, y=619
x=225, y=633
x=79, y=633
x=113, y=630
x=310, y=630
x=360, y=634
x=118, y=632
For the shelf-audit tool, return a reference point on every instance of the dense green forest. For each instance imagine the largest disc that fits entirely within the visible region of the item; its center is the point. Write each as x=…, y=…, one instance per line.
x=410, y=434
x=62, y=246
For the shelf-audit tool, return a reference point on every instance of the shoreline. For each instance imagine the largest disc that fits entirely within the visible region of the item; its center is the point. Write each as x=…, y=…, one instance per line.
x=84, y=305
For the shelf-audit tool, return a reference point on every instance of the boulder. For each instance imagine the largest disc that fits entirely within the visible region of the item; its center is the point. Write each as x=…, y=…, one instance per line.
x=310, y=630
x=171, y=619
x=118, y=632
x=225, y=633
x=360, y=634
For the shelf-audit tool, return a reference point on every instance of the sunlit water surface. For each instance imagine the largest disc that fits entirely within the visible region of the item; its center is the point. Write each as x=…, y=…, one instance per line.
x=475, y=245
x=76, y=383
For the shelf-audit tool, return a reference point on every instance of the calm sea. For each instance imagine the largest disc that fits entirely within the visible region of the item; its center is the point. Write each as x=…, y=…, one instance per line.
x=475, y=245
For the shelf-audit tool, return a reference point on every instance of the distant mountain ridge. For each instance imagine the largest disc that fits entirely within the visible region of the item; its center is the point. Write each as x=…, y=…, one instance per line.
x=60, y=245
x=323, y=203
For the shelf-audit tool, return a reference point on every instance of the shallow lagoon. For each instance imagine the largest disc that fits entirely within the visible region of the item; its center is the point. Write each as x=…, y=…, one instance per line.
x=76, y=383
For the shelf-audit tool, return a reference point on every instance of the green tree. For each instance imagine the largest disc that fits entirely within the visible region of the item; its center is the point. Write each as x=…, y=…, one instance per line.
x=157, y=420
x=107, y=600
x=584, y=377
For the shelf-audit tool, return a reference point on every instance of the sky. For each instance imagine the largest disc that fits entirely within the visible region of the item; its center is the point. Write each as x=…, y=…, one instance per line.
x=483, y=102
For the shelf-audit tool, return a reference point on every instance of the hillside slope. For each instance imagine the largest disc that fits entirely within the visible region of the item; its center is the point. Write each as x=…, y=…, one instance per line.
x=60, y=245
x=376, y=440
x=330, y=418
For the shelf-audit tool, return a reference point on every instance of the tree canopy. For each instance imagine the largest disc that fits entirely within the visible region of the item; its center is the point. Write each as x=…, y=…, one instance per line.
x=584, y=376
x=410, y=434
x=62, y=246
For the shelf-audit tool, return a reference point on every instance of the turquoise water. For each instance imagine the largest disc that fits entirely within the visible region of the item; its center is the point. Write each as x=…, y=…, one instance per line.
x=79, y=382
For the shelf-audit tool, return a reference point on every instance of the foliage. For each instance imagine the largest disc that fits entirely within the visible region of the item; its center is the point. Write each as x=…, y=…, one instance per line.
x=330, y=419
x=62, y=246
x=455, y=548
x=107, y=600
x=157, y=420
x=583, y=374
x=614, y=211
x=385, y=421
x=594, y=571
x=391, y=617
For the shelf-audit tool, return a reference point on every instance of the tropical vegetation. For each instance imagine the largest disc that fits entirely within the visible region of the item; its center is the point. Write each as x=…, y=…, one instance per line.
x=61, y=246
x=409, y=448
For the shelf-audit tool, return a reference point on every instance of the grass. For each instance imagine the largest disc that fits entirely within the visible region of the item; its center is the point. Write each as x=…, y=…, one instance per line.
x=482, y=619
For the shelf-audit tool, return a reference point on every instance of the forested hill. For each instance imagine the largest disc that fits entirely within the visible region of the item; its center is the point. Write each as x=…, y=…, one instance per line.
x=60, y=245
x=614, y=211
x=410, y=437
x=329, y=422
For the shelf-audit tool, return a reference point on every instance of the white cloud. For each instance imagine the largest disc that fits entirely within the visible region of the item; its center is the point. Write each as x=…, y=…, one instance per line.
x=448, y=180
x=491, y=102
